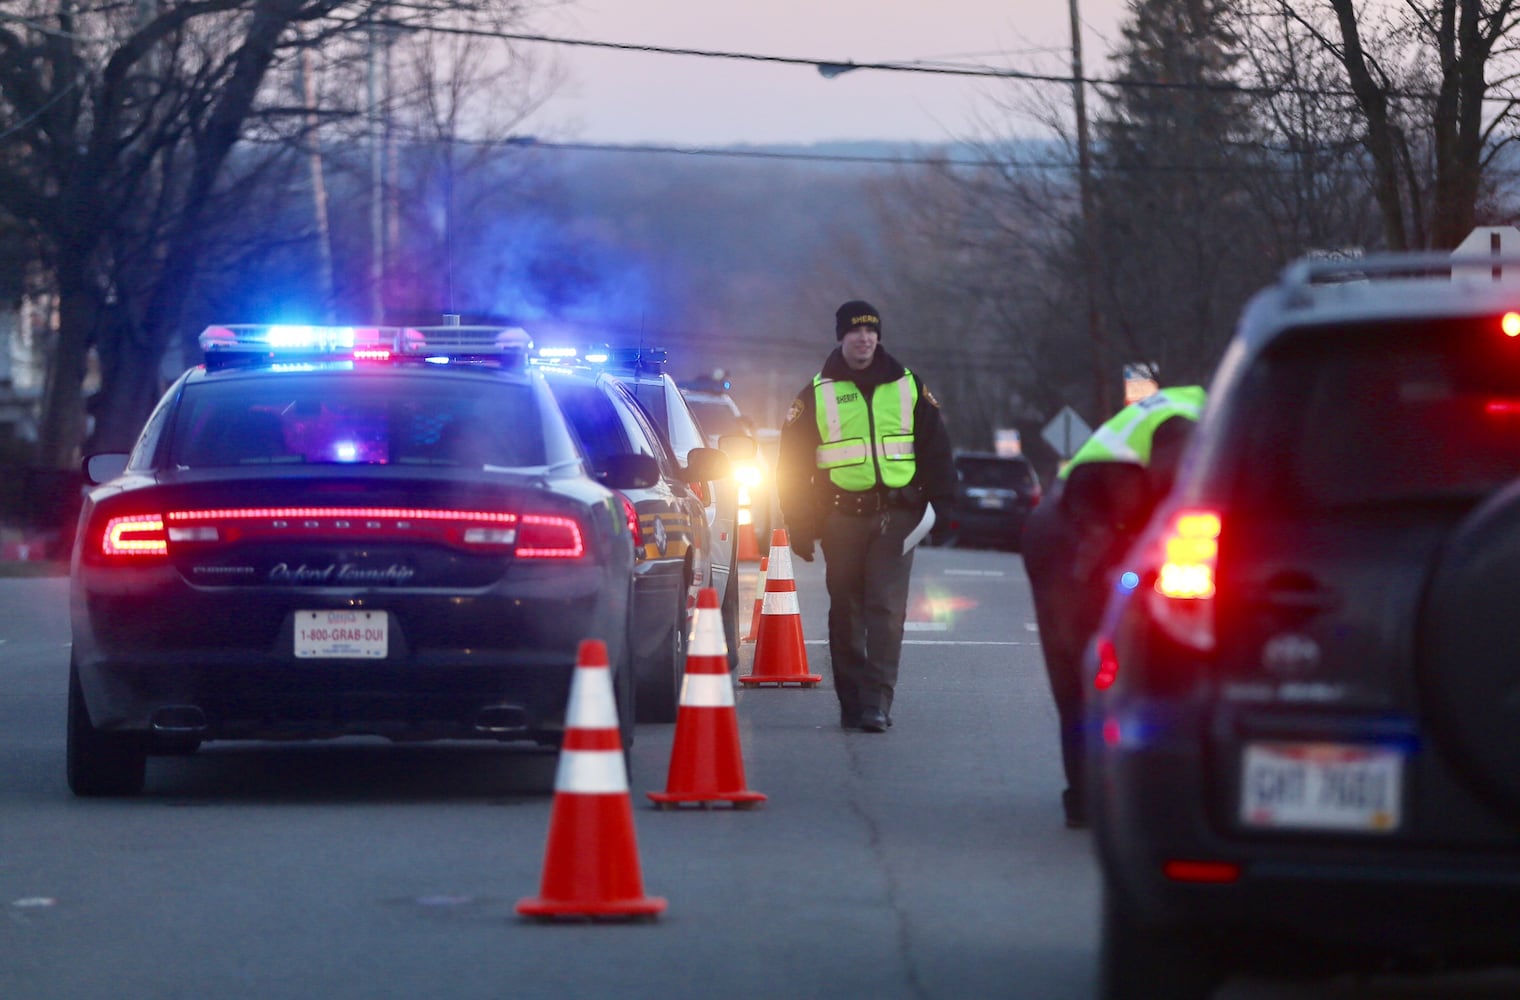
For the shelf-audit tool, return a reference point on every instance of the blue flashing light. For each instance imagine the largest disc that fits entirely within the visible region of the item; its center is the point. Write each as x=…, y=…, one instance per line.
x=283, y=344
x=1128, y=581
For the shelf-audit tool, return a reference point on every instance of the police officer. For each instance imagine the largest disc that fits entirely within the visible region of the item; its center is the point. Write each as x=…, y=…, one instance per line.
x=1071, y=542
x=863, y=452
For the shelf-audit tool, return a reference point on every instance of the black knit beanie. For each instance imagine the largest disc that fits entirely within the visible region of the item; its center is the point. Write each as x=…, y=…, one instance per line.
x=856, y=312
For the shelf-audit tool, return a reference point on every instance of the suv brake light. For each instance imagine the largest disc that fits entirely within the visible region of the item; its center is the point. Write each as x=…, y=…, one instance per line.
x=1186, y=555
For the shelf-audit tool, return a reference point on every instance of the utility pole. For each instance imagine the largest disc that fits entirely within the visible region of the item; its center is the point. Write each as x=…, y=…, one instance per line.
x=376, y=182
x=1089, y=227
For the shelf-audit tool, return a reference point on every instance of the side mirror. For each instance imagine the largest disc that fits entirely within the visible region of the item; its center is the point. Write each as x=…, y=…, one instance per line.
x=104, y=466
x=739, y=447
x=629, y=472
x=706, y=464
x=1117, y=494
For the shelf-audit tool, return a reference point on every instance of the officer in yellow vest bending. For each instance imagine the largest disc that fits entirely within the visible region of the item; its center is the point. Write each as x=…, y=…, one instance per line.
x=1099, y=503
x=864, y=450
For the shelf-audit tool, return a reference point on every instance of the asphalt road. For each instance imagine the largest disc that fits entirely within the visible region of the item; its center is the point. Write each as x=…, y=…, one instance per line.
x=927, y=862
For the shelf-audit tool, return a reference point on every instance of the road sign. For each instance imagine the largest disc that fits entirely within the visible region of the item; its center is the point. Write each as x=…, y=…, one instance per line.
x=1066, y=432
x=1485, y=241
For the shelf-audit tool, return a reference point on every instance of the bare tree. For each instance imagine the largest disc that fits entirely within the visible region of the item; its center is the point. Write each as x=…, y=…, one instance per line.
x=1431, y=82
x=120, y=123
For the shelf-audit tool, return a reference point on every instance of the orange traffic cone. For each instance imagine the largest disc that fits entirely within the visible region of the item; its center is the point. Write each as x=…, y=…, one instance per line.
x=749, y=545
x=591, y=865
x=705, y=763
x=780, y=657
x=754, y=618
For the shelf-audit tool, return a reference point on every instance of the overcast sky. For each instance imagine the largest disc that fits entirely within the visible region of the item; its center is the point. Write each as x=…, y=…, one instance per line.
x=637, y=97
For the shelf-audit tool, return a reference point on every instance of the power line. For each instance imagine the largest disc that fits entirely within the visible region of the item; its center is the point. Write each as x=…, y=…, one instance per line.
x=832, y=67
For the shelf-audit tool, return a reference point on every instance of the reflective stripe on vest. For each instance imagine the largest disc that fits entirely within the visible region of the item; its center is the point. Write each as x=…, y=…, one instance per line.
x=1126, y=436
x=846, y=425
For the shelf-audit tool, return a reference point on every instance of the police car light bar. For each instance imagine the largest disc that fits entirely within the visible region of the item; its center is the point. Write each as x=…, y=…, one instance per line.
x=646, y=358
x=245, y=343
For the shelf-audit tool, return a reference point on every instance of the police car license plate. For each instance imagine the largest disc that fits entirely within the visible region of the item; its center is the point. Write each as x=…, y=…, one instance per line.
x=352, y=635
x=1321, y=786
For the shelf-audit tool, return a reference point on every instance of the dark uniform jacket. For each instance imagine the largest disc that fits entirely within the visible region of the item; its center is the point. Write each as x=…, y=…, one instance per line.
x=805, y=491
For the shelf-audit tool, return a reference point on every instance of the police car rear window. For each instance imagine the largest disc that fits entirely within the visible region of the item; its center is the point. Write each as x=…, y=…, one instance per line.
x=376, y=419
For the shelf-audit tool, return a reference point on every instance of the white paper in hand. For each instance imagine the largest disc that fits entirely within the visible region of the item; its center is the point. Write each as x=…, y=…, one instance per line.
x=917, y=534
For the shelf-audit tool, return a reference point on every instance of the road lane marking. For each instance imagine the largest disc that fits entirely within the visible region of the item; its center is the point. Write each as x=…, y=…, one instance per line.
x=943, y=642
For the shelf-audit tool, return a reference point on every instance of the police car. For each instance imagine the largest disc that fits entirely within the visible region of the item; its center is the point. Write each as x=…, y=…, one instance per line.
x=599, y=392
x=332, y=531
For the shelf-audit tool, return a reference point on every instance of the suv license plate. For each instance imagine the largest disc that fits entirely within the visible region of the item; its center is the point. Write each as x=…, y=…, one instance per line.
x=351, y=635
x=1321, y=786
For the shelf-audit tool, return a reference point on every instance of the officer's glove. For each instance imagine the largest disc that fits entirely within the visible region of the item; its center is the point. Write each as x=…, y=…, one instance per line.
x=803, y=547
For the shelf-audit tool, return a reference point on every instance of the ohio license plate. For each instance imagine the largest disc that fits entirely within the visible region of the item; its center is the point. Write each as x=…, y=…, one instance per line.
x=1321, y=786
x=355, y=635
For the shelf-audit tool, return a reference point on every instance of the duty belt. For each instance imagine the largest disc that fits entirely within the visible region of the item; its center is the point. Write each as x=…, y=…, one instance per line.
x=867, y=502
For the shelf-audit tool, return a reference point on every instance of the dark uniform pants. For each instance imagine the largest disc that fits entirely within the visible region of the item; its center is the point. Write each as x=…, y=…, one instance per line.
x=1065, y=608
x=867, y=577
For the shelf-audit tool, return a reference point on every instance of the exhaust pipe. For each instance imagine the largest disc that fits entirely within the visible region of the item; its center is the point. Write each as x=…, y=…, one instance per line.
x=501, y=719
x=178, y=720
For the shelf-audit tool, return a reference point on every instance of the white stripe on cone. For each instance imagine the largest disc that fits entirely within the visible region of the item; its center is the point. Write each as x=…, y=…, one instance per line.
x=591, y=772
x=707, y=638
x=780, y=567
x=707, y=691
x=780, y=602
x=592, y=705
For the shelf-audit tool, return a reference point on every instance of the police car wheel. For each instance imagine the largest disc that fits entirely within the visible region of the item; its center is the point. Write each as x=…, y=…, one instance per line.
x=100, y=764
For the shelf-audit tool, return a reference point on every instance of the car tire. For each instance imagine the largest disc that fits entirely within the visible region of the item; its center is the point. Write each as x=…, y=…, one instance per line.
x=1467, y=637
x=101, y=764
x=1141, y=962
x=731, y=618
x=624, y=694
x=659, y=695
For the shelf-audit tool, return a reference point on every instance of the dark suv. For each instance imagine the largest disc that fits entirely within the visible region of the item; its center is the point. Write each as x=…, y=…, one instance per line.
x=993, y=497
x=1305, y=707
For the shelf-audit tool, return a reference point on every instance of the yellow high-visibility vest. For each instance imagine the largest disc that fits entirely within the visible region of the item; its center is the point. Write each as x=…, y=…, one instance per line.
x=1126, y=436
x=865, y=443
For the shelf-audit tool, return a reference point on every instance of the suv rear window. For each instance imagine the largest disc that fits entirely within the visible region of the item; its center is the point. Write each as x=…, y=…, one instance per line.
x=373, y=419
x=1395, y=413
x=995, y=473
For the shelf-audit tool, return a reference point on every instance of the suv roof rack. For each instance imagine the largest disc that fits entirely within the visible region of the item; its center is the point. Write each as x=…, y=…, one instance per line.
x=268, y=343
x=1301, y=275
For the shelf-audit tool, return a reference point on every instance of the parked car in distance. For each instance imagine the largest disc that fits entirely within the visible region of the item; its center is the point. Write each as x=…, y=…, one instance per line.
x=993, y=497
x=334, y=531
x=1303, y=707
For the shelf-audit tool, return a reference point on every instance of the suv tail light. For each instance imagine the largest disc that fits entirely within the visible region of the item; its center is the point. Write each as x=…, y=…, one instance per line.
x=1181, y=561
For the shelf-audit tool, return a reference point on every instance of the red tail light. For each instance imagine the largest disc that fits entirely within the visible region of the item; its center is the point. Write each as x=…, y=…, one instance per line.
x=700, y=491
x=543, y=537
x=137, y=536
x=631, y=517
x=1185, y=555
